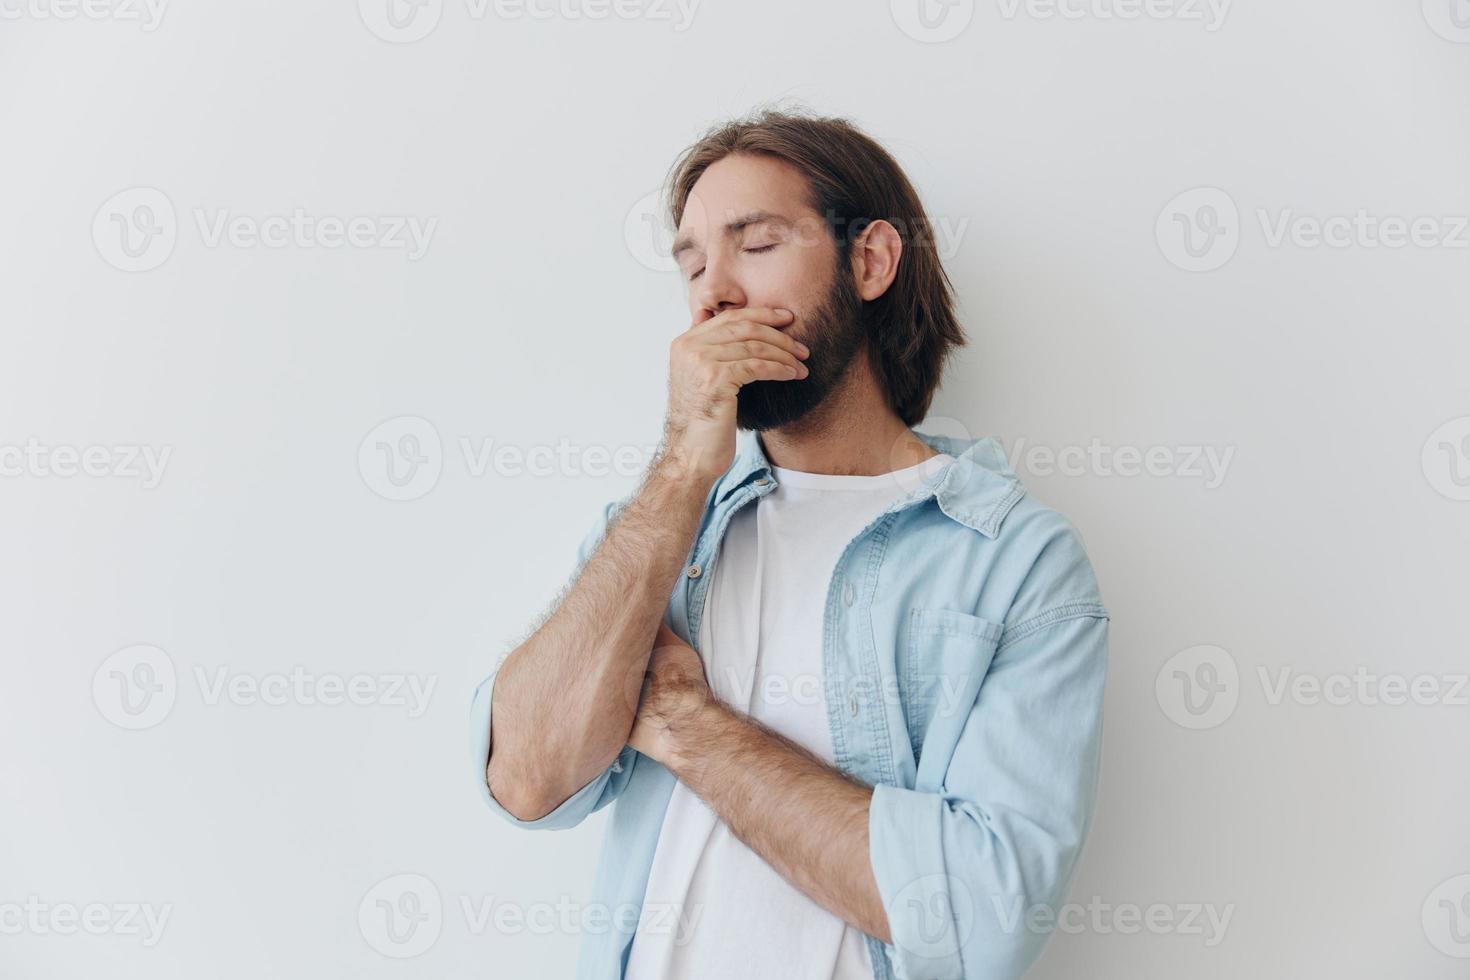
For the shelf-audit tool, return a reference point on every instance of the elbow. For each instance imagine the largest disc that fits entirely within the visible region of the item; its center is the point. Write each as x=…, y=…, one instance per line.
x=522, y=798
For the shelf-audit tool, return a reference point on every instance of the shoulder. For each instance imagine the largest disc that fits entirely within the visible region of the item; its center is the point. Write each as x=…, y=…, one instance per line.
x=1055, y=579
x=1037, y=554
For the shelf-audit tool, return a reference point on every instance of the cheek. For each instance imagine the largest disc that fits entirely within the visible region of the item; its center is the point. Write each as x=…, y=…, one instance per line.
x=789, y=288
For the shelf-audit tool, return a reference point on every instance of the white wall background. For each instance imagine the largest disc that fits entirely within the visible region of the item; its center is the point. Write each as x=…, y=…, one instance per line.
x=1331, y=548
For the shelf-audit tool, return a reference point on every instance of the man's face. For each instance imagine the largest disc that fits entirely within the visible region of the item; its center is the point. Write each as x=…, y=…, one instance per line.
x=757, y=242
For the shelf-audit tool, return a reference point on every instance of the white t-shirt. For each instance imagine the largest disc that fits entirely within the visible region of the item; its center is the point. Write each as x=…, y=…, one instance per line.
x=714, y=909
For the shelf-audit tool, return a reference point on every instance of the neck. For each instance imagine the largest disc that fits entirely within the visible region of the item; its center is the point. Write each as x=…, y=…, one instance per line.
x=853, y=432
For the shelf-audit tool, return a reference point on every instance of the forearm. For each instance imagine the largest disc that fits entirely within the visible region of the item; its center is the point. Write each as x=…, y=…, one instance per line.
x=564, y=701
x=802, y=816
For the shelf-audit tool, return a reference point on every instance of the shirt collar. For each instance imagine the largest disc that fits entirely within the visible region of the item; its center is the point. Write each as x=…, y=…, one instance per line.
x=977, y=490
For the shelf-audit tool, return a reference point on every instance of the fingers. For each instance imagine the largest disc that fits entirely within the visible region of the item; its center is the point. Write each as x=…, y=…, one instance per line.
x=774, y=315
x=741, y=350
x=755, y=322
x=740, y=346
x=748, y=334
x=742, y=373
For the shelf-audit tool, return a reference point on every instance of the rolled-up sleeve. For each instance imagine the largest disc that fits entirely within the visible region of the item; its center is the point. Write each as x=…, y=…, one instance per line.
x=603, y=788
x=973, y=875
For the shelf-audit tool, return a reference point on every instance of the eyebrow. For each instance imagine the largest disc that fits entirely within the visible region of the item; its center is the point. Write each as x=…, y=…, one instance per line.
x=684, y=243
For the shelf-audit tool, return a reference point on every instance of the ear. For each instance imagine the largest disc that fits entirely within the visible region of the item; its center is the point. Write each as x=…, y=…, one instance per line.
x=875, y=258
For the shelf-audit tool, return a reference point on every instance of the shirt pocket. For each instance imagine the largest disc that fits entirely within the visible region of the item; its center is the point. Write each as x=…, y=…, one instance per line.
x=943, y=660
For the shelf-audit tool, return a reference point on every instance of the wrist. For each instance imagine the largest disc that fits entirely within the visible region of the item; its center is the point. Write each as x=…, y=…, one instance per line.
x=688, y=466
x=691, y=729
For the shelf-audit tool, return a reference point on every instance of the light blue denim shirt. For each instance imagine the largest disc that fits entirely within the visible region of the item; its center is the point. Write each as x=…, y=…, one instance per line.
x=964, y=655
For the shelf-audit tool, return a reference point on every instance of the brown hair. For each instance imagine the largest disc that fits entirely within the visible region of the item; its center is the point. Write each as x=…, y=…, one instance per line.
x=854, y=181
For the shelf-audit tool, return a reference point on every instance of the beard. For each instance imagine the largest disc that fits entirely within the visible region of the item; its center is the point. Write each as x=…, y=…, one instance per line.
x=834, y=333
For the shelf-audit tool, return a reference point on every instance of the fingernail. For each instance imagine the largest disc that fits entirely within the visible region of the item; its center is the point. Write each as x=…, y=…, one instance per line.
x=784, y=312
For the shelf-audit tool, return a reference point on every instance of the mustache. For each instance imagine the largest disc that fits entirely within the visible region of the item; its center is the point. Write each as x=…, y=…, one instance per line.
x=834, y=332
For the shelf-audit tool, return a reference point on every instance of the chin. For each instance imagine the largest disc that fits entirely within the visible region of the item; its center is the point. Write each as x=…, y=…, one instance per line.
x=764, y=405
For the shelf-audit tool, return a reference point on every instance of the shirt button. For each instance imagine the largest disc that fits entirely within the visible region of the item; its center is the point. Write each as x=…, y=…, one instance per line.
x=852, y=703
x=761, y=481
x=847, y=593
x=693, y=570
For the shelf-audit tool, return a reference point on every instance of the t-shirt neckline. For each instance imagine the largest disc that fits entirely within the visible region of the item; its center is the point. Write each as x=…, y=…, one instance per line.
x=908, y=476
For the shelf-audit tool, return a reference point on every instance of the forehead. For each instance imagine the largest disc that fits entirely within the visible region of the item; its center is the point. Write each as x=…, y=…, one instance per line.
x=742, y=184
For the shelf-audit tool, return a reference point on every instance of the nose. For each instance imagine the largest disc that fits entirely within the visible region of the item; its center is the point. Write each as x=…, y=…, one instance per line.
x=717, y=291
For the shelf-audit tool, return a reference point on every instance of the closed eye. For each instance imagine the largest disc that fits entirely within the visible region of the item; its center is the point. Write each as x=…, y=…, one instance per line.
x=754, y=251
